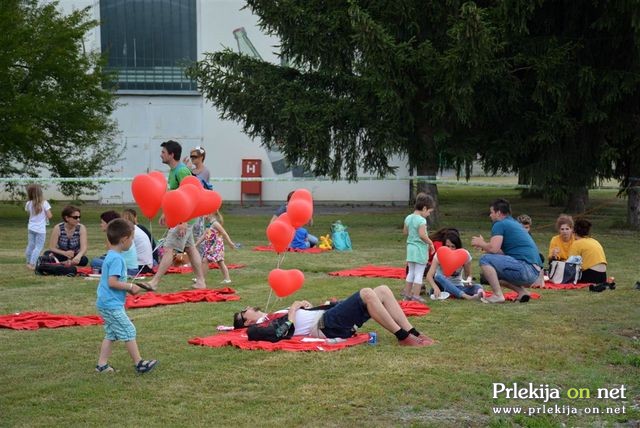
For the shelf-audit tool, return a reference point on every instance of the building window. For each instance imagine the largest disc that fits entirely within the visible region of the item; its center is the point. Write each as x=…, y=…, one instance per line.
x=149, y=43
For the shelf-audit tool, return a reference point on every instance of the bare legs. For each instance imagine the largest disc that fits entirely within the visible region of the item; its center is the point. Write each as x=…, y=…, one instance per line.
x=167, y=260
x=221, y=265
x=107, y=347
x=196, y=265
x=385, y=310
x=491, y=276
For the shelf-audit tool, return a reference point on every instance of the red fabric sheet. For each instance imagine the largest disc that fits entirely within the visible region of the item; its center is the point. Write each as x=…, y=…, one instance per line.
x=512, y=295
x=150, y=299
x=313, y=250
x=414, y=309
x=371, y=271
x=36, y=320
x=548, y=285
x=238, y=338
x=173, y=269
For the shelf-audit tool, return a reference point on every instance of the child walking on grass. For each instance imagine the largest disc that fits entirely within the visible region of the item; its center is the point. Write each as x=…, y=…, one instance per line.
x=213, y=250
x=418, y=246
x=39, y=214
x=112, y=291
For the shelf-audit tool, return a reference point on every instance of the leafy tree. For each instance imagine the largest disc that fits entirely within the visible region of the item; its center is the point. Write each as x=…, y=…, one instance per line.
x=54, y=107
x=369, y=80
x=577, y=73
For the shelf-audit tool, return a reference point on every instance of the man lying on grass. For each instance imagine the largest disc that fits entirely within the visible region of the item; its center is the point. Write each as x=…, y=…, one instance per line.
x=336, y=320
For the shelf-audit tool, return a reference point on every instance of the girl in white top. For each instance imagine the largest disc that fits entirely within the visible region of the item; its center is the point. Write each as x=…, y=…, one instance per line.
x=39, y=214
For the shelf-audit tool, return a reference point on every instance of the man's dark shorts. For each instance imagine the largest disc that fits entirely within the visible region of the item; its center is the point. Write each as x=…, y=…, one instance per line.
x=343, y=319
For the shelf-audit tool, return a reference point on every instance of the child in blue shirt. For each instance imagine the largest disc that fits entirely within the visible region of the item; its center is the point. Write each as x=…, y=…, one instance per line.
x=112, y=291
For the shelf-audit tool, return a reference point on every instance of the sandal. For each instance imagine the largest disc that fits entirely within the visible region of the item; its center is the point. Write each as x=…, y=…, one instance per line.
x=145, y=366
x=105, y=369
x=144, y=285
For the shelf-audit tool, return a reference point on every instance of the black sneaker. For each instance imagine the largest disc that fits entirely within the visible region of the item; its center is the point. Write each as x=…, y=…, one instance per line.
x=598, y=288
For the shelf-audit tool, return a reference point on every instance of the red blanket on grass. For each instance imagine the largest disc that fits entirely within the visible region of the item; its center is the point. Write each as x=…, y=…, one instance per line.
x=36, y=320
x=371, y=271
x=291, y=250
x=548, y=285
x=239, y=339
x=511, y=296
x=150, y=299
x=173, y=269
x=414, y=309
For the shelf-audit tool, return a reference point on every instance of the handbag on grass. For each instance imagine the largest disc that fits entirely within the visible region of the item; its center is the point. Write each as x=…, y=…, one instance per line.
x=564, y=272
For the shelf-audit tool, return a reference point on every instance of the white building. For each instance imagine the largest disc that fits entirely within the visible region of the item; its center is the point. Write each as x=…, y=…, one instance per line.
x=146, y=40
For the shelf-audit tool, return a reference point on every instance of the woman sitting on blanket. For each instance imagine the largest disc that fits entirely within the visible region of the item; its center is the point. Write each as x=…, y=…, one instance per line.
x=454, y=283
x=338, y=320
x=69, y=239
x=594, y=262
x=561, y=243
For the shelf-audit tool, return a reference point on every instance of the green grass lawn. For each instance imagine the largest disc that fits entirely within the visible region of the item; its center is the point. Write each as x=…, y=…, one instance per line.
x=567, y=339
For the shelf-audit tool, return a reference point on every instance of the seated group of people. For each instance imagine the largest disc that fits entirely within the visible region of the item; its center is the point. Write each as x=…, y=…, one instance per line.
x=69, y=243
x=573, y=239
x=511, y=256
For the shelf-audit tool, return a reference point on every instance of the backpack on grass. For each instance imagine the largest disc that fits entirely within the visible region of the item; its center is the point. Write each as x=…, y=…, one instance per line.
x=49, y=265
x=340, y=237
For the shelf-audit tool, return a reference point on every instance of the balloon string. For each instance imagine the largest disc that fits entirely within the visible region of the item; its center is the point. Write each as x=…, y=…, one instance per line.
x=266, y=308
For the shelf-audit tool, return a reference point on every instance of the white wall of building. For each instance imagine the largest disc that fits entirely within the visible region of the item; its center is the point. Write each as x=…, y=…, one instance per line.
x=145, y=121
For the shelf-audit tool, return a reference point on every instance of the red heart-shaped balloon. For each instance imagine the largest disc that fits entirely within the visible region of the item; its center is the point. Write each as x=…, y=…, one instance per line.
x=302, y=194
x=148, y=191
x=177, y=207
x=300, y=212
x=285, y=282
x=280, y=235
x=191, y=179
x=451, y=260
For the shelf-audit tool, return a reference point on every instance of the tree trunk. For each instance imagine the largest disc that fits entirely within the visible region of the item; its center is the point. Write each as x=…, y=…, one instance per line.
x=577, y=199
x=430, y=169
x=425, y=159
x=633, y=203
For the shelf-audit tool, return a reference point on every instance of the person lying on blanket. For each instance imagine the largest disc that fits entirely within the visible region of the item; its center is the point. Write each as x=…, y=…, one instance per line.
x=337, y=320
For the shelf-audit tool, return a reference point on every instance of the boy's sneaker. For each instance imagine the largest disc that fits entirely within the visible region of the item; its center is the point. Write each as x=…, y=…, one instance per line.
x=225, y=281
x=105, y=369
x=145, y=366
x=412, y=340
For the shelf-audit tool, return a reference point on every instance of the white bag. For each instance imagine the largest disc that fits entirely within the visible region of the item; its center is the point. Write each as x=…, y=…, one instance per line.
x=564, y=272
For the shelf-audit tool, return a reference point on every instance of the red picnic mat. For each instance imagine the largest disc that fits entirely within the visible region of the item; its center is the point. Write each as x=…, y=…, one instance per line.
x=239, y=339
x=150, y=299
x=313, y=250
x=548, y=285
x=371, y=271
x=512, y=295
x=414, y=309
x=173, y=269
x=36, y=320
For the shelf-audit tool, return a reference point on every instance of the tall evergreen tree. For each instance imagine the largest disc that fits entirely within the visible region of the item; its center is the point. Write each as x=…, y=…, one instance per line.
x=369, y=80
x=577, y=73
x=54, y=107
